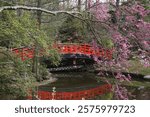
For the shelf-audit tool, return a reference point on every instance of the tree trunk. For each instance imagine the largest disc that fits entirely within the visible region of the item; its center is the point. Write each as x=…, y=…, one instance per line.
x=68, y=4
x=39, y=13
x=86, y=4
x=63, y=4
x=36, y=49
x=117, y=3
x=79, y=5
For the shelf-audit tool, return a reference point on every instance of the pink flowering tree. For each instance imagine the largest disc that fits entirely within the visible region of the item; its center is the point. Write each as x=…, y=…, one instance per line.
x=129, y=32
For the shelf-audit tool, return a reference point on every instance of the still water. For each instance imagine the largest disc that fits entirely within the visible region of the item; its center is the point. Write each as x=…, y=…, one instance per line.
x=77, y=81
x=72, y=81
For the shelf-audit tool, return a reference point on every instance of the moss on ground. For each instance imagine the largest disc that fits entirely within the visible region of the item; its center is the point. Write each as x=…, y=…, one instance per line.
x=137, y=67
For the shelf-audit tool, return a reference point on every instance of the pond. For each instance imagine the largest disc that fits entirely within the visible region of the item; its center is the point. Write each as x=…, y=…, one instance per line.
x=79, y=81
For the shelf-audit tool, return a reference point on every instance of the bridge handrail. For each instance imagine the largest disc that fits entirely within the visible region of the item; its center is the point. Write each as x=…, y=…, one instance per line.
x=64, y=48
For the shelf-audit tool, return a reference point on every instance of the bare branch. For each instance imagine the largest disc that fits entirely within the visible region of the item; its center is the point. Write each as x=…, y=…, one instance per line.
x=75, y=14
x=38, y=9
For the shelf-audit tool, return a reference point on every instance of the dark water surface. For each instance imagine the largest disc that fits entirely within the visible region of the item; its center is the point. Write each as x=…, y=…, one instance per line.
x=76, y=81
x=72, y=81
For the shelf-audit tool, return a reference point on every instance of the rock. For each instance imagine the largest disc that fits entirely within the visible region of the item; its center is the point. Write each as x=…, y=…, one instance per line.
x=141, y=87
x=147, y=77
x=53, y=80
x=48, y=75
x=50, y=80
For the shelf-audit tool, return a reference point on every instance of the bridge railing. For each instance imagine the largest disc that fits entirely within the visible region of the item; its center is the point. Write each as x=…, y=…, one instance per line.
x=86, y=49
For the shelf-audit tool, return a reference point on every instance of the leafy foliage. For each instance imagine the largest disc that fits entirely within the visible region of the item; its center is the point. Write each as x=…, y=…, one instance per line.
x=16, y=78
x=20, y=29
x=72, y=30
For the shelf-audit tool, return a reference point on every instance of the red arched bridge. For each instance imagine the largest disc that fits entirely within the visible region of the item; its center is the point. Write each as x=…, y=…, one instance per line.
x=71, y=48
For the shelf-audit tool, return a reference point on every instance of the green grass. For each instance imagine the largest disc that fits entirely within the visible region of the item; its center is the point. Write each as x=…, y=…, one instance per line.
x=137, y=67
x=137, y=84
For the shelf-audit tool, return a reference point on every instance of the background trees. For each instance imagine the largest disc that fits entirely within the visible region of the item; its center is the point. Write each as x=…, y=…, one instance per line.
x=20, y=29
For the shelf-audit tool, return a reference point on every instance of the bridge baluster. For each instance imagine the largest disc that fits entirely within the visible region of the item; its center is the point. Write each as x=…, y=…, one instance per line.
x=86, y=49
x=109, y=54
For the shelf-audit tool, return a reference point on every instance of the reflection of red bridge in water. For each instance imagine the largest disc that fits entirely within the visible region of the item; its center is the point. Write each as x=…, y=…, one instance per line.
x=85, y=94
x=84, y=49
